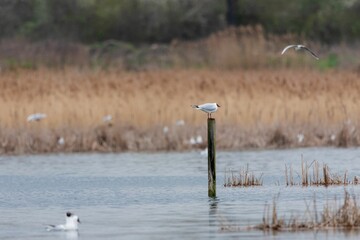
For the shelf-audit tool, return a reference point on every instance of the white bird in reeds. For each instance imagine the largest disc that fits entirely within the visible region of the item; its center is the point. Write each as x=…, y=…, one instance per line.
x=192, y=141
x=207, y=107
x=332, y=137
x=107, y=118
x=300, y=137
x=180, y=122
x=300, y=47
x=165, y=129
x=199, y=139
x=204, y=152
x=71, y=224
x=61, y=141
x=36, y=117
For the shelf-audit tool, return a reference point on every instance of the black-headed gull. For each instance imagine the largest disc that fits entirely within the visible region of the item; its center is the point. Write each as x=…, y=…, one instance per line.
x=71, y=224
x=299, y=47
x=36, y=117
x=207, y=107
x=107, y=118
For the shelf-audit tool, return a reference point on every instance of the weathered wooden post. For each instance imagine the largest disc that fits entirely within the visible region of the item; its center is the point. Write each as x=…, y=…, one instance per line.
x=210, y=108
x=211, y=158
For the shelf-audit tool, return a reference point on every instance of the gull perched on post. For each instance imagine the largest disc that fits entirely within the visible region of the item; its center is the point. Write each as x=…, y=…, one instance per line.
x=207, y=107
x=71, y=224
x=299, y=47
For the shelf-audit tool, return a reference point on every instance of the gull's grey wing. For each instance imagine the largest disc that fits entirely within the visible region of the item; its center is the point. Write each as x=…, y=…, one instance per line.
x=311, y=52
x=208, y=107
x=286, y=48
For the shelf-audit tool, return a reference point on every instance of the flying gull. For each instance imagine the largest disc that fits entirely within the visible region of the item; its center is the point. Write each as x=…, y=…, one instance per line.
x=299, y=47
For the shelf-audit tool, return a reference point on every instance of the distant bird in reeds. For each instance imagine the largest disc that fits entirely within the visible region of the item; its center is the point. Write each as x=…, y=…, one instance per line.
x=61, y=141
x=204, y=152
x=180, y=122
x=107, y=118
x=300, y=47
x=197, y=140
x=36, y=117
x=207, y=107
x=165, y=129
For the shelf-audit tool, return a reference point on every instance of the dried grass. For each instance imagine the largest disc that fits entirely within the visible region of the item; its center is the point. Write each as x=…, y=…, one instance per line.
x=345, y=216
x=267, y=98
x=245, y=179
x=320, y=176
x=258, y=108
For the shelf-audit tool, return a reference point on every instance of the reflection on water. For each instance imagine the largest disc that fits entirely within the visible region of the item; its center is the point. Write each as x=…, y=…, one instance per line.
x=71, y=235
x=213, y=206
x=159, y=195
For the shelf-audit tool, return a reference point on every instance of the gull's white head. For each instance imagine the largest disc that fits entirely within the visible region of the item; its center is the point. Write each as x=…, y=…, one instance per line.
x=72, y=221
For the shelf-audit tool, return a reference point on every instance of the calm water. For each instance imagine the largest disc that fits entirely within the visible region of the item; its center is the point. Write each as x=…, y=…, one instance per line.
x=158, y=195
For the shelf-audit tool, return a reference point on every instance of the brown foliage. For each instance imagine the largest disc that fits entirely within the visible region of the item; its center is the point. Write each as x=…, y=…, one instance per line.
x=260, y=108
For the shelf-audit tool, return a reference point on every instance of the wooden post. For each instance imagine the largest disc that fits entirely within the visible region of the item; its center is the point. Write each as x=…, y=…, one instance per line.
x=211, y=158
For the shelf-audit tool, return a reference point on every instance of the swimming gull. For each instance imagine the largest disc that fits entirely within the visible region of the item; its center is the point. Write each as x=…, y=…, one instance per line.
x=71, y=224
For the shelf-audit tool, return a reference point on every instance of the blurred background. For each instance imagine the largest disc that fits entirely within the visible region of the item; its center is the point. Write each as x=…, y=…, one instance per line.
x=52, y=32
x=115, y=75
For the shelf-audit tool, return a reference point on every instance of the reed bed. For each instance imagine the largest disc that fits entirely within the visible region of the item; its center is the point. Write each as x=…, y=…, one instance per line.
x=344, y=216
x=261, y=108
x=320, y=176
x=244, y=179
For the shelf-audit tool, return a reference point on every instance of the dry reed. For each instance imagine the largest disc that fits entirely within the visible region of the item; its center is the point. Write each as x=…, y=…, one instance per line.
x=258, y=108
x=320, y=176
x=345, y=216
x=285, y=98
x=245, y=179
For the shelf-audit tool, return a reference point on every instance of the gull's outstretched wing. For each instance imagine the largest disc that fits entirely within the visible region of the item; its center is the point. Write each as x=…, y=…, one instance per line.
x=311, y=52
x=286, y=48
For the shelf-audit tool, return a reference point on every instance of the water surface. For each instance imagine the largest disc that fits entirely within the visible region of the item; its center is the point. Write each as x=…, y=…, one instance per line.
x=159, y=195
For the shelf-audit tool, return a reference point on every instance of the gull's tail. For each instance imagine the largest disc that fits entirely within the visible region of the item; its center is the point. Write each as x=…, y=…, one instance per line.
x=50, y=227
x=194, y=106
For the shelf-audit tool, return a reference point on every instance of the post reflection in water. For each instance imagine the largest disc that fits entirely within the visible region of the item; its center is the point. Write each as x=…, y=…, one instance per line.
x=213, y=212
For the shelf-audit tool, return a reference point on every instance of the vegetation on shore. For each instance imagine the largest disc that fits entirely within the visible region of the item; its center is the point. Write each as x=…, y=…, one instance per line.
x=245, y=178
x=247, y=47
x=267, y=100
x=343, y=217
x=151, y=110
x=141, y=21
x=319, y=176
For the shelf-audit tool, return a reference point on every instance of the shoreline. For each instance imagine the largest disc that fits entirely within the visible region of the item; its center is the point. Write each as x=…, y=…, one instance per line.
x=118, y=139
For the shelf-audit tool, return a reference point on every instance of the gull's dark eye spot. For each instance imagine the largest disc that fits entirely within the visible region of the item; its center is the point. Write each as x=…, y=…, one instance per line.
x=68, y=214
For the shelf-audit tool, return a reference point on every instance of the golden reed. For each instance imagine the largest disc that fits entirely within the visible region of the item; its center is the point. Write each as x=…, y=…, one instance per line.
x=259, y=108
x=80, y=98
